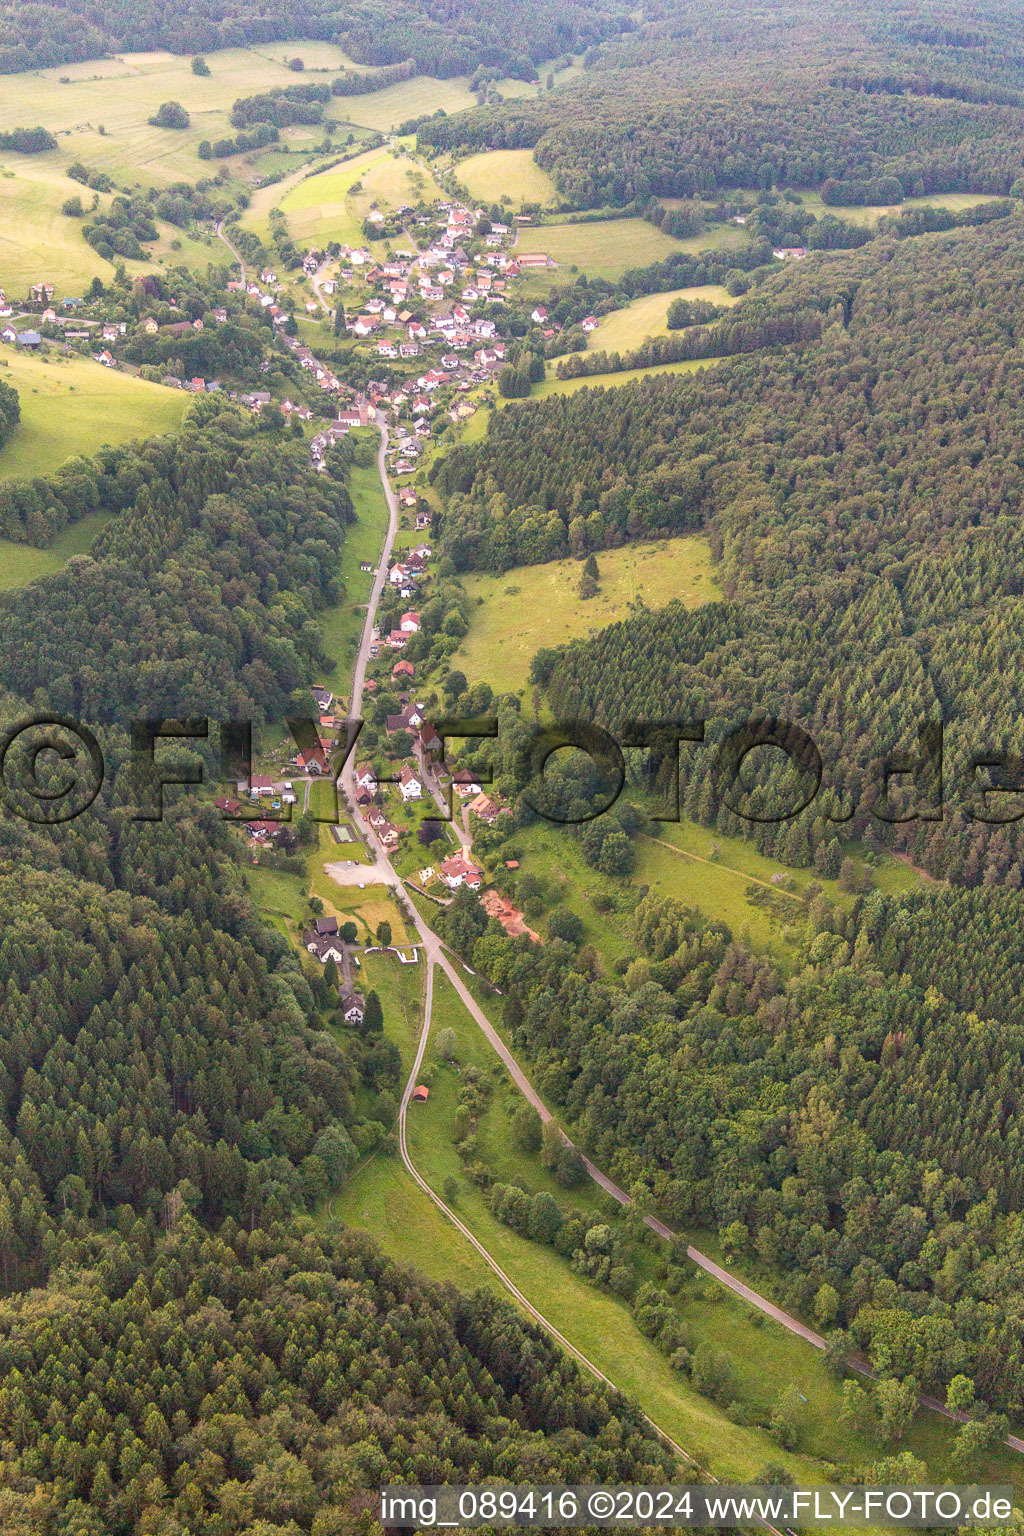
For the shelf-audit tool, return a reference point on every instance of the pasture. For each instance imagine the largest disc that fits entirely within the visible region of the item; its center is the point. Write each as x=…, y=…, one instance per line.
x=610, y=247
x=120, y=94
x=507, y=173
x=72, y=405
x=37, y=241
x=647, y=316
x=869, y=216
x=553, y=386
x=385, y=110
x=530, y=606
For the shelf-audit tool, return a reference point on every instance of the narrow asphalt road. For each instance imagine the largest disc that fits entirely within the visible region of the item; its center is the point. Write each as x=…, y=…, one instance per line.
x=316, y=280
x=222, y=236
x=488, y=1258
x=383, y=872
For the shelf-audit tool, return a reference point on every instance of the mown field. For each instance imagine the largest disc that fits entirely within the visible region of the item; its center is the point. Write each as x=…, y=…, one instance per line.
x=119, y=95
x=647, y=316
x=610, y=247
x=385, y=110
x=73, y=405
x=99, y=111
x=507, y=173
x=38, y=242
x=530, y=606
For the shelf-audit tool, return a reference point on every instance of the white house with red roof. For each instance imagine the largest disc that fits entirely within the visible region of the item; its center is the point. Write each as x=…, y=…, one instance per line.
x=459, y=871
x=409, y=784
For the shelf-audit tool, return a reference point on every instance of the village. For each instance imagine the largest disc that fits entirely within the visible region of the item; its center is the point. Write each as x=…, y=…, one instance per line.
x=431, y=316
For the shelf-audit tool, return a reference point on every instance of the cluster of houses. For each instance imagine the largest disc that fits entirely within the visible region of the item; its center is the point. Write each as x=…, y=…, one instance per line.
x=40, y=296
x=324, y=943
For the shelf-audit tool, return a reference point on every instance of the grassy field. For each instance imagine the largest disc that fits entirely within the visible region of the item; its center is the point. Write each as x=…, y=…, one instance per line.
x=535, y=605
x=21, y=563
x=392, y=182
x=118, y=96
x=37, y=241
x=609, y=247
x=870, y=216
x=324, y=207
x=647, y=316
x=342, y=625
x=382, y=1199
x=73, y=405
x=317, y=207
x=704, y=869
x=514, y=173
x=385, y=110
x=553, y=386
x=122, y=93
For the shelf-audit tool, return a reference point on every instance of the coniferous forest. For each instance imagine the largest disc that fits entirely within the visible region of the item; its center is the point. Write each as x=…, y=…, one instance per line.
x=187, y=1346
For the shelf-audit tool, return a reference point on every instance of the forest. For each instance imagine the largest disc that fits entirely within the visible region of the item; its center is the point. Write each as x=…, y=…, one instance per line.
x=440, y=39
x=861, y=493
x=850, y=1127
x=201, y=594
x=190, y=1343
x=264, y=1381
x=858, y=147
x=178, y=1346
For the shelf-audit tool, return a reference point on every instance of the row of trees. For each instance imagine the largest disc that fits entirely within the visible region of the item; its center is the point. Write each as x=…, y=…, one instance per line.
x=10, y=410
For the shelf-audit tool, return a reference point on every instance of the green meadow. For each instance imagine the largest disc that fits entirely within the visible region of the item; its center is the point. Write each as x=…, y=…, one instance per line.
x=342, y=625
x=22, y=563
x=332, y=205
x=530, y=606
x=610, y=247
x=555, y=386
x=72, y=405
x=506, y=173
x=648, y=316
x=383, y=1199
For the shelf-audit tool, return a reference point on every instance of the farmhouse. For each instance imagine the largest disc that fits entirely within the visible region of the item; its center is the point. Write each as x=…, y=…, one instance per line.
x=430, y=741
x=410, y=719
x=323, y=946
